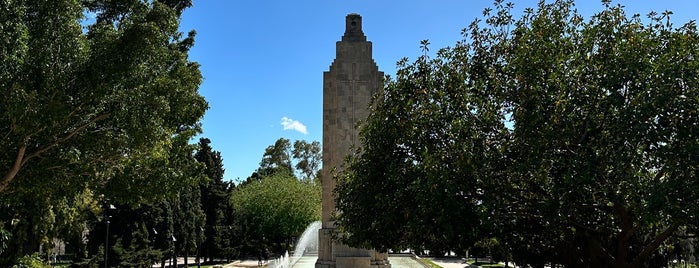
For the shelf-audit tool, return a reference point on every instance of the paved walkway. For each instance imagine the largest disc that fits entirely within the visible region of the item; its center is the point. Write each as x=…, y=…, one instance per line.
x=309, y=262
x=404, y=262
x=396, y=262
x=306, y=262
x=193, y=263
x=451, y=263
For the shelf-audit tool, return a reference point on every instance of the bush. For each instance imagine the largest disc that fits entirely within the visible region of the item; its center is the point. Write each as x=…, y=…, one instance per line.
x=31, y=261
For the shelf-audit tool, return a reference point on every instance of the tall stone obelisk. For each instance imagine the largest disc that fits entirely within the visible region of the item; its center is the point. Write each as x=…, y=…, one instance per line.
x=347, y=89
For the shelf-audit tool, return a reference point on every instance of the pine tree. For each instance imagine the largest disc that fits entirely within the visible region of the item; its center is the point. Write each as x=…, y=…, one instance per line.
x=215, y=196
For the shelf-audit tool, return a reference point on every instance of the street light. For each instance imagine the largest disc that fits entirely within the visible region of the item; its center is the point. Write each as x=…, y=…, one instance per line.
x=173, y=239
x=106, y=239
x=199, y=247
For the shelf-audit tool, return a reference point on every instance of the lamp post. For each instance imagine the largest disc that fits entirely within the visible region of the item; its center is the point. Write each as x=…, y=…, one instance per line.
x=106, y=238
x=173, y=240
x=201, y=229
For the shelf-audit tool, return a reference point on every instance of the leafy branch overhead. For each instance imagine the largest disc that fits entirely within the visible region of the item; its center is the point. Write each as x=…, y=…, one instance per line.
x=84, y=98
x=98, y=103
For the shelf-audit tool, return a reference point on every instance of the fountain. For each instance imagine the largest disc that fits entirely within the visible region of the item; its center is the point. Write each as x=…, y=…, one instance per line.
x=281, y=262
x=307, y=241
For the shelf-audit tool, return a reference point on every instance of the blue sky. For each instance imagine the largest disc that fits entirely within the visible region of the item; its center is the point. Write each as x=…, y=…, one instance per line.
x=263, y=60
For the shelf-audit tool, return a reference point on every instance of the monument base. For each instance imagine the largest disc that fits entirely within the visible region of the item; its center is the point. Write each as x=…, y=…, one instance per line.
x=350, y=262
x=332, y=254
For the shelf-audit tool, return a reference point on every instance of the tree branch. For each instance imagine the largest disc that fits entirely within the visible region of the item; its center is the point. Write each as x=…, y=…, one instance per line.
x=655, y=244
x=67, y=137
x=627, y=231
x=14, y=170
x=22, y=158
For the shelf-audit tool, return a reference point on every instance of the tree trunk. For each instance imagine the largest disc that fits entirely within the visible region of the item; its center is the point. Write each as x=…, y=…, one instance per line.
x=627, y=231
x=186, y=257
x=12, y=173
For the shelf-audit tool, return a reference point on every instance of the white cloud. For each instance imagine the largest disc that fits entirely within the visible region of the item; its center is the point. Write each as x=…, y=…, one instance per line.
x=292, y=124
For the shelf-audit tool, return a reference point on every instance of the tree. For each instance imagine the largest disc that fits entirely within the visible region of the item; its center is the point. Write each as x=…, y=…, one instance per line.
x=189, y=219
x=308, y=158
x=130, y=233
x=607, y=164
x=216, y=203
x=571, y=140
x=304, y=159
x=138, y=252
x=77, y=100
x=416, y=180
x=276, y=157
x=105, y=105
x=275, y=208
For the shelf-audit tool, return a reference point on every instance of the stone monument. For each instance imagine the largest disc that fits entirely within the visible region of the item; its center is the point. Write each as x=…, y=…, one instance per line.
x=347, y=89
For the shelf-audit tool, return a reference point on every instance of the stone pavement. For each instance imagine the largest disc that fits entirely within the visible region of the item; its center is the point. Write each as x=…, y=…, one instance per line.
x=306, y=262
x=404, y=262
x=243, y=263
x=451, y=263
x=396, y=262
x=309, y=262
x=193, y=263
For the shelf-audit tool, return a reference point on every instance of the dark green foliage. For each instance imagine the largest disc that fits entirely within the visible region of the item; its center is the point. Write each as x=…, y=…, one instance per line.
x=303, y=159
x=570, y=141
x=416, y=182
x=32, y=261
x=308, y=158
x=66, y=84
x=139, y=252
x=137, y=235
x=104, y=106
x=215, y=200
x=275, y=209
x=189, y=220
x=276, y=157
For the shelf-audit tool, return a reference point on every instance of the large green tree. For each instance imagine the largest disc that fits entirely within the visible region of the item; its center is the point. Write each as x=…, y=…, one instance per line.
x=216, y=204
x=276, y=208
x=308, y=158
x=605, y=136
x=276, y=157
x=416, y=180
x=303, y=158
x=189, y=222
x=95, y=96
x=572, y=141
x=80, y=96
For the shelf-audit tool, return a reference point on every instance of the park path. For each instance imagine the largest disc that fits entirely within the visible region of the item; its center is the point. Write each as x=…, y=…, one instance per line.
x=193, y=263
x=396, y=262
x=451, y=262
x=404, y=262
x=243, y=263
x=309, y=262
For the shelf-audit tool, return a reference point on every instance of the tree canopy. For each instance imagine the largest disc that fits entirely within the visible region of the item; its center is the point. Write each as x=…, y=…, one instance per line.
x=303, y=159
x=276, y=208
x=216, y=203
x=98, y=101
x=81, y=100
x=571, y=141
x=274, y=205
